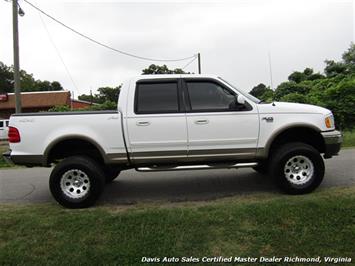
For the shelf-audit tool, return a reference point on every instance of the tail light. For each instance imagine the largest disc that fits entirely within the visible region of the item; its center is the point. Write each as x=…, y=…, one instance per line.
x=14, y=135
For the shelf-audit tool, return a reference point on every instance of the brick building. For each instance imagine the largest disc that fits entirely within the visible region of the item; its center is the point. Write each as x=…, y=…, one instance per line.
x=38, y=101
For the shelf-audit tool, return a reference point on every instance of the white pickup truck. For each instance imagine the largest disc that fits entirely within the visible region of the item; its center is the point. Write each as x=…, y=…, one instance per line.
x=175, y=122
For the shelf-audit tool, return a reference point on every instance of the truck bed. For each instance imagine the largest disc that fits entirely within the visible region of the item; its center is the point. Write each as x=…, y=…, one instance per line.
x=40, y=131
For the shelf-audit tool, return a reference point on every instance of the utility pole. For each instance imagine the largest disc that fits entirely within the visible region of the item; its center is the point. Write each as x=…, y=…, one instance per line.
x=71, y=101
x=199, y=62
x=16, y=56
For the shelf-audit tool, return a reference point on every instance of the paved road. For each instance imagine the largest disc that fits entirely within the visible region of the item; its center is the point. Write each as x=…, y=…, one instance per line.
x=30, y=185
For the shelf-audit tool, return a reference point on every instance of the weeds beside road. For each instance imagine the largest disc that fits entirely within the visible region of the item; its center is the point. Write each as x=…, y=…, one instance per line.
x=3, y=148
x=349, y=139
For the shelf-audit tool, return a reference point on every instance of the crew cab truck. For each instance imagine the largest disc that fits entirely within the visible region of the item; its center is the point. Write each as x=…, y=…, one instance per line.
x=175, y=122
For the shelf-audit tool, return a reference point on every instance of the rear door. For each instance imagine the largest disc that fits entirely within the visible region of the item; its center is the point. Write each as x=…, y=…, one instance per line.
x=157, y=129
x=219, y=129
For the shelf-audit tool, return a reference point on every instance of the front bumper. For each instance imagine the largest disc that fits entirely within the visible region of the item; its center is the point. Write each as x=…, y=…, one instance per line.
x=332, y=141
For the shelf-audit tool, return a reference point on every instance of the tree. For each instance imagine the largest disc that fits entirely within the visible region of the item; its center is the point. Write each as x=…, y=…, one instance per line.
x=262, y=92
x=294, y=97
x=6, y=79
x=297, y=77
x=307, y=74
x=258, y=90
x=349, y=58
x=340, y=98
x=156, y=69
x=106, y=94
x=334, y=68
x=291, y=87
x=28, y=82
x=109, y=94
x=315, y=76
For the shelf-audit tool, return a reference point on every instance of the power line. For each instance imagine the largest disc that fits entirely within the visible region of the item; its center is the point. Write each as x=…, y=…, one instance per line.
x=58, y=53
x=105, y=45
x=189, y=63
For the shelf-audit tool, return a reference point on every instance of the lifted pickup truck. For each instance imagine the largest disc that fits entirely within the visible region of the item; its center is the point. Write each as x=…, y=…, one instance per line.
x=175, y=122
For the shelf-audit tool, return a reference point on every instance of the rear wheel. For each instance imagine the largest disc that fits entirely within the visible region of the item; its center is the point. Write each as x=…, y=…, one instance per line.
x=77, y=182
x=297, y=168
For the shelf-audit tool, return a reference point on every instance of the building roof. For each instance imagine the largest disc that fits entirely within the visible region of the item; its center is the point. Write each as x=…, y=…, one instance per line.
x=38, y=99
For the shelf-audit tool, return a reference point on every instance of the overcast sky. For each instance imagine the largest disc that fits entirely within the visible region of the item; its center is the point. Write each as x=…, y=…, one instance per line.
x=233, y=37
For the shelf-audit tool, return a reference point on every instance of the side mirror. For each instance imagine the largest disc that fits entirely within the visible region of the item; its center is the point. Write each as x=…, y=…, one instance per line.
x=241, y=99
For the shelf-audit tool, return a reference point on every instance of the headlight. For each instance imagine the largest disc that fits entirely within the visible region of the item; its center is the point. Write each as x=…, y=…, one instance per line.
x=329, y=121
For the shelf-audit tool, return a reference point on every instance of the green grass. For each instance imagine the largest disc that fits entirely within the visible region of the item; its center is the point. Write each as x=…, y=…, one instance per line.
x=319, y=224
x=349, y=139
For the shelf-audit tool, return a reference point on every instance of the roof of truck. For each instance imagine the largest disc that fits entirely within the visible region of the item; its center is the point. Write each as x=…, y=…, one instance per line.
x=167, y=76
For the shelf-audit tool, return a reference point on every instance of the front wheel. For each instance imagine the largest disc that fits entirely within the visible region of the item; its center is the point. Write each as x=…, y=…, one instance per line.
x=77, y=182
x=297, y=168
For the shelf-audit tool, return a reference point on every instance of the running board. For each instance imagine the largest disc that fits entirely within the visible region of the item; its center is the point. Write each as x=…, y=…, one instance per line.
x=194, y=167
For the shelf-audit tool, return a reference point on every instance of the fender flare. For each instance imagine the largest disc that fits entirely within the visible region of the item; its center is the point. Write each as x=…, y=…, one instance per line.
x=72, y=137
x=264, y=152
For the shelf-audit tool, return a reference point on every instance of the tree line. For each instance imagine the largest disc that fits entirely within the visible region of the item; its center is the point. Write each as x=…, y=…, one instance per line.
x=334, y=89
x=28, y=82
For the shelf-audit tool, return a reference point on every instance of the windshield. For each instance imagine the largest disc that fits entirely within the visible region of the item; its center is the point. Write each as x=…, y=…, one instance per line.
x=249, y=96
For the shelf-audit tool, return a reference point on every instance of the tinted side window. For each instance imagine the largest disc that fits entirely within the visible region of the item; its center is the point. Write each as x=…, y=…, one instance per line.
x=157, y=98
x=7, y=123
x=1, y=123
x=209, y=96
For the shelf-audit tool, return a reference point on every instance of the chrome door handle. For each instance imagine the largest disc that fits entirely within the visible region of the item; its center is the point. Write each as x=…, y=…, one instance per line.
x=201, y=122
x=143, y=123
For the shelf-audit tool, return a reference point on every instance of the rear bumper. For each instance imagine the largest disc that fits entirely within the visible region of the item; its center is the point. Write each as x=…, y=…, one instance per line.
x=332, y=140
x=27, y=160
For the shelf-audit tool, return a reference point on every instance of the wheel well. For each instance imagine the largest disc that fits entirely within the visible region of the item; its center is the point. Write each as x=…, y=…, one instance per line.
x=70, y=147
x=299, y=134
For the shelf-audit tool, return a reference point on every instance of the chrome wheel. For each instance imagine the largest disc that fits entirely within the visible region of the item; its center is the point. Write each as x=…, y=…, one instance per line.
x=298, y=170
x=75, y=184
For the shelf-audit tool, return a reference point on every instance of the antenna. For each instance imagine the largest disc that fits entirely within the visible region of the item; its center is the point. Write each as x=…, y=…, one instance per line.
x=270, y=70
x=271, y=85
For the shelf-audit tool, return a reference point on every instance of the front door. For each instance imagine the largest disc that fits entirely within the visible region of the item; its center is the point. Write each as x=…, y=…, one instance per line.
x=219, y=129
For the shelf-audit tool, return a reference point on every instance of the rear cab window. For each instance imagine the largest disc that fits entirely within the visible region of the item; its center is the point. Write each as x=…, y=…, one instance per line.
x=156, y=97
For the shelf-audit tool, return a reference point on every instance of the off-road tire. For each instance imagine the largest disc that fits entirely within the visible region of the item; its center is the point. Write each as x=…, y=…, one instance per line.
x=297, y=168
x=73, y=175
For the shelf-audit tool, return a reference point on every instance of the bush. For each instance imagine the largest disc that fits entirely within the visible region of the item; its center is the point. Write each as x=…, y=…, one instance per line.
x=294, y=98
x=60, y=108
